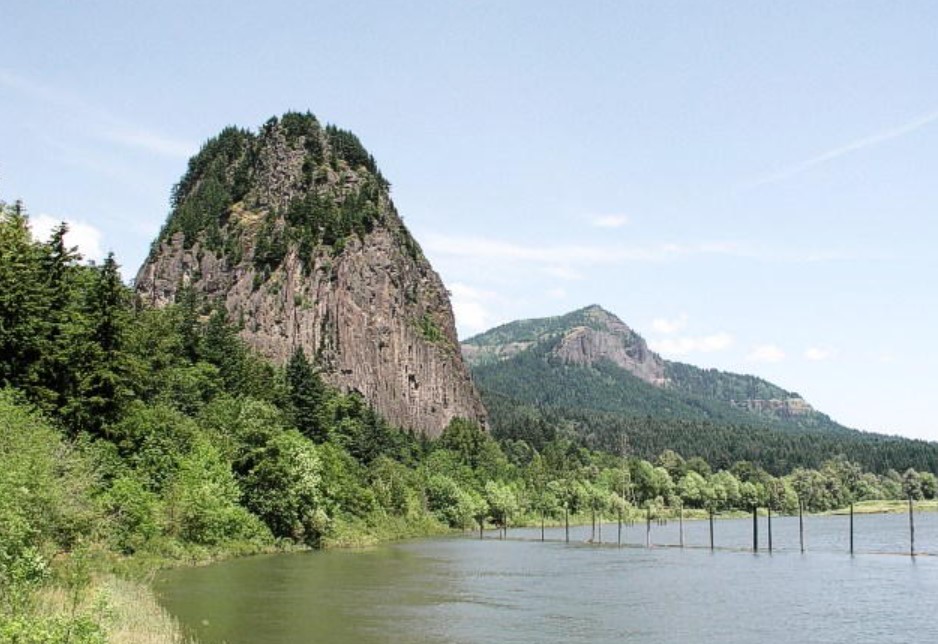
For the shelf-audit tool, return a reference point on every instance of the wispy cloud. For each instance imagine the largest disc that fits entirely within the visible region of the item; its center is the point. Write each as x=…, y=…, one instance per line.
x=609, y=221
x=98, y=121
x=854, y=146
x=817, y=354
x=684, y=345
x=566, y=254
x=766, y=353
x=153, y=142
x=563, y=260
x=563, y=273
x=667, y=326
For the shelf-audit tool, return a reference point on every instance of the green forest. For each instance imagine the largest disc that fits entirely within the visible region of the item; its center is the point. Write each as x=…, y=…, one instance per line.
x=604, y=405
x=134, y=437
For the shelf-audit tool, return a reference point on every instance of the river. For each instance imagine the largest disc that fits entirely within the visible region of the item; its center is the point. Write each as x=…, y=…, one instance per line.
x=461, y=589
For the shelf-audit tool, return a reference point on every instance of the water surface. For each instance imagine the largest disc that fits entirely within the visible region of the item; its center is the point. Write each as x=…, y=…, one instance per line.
x=465, y=590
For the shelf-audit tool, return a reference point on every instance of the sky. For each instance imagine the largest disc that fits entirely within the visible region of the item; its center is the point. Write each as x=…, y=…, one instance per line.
x=749, y=185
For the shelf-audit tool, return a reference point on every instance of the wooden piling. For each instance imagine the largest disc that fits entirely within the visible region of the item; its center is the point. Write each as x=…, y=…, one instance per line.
x=681, y=519
x=755, y=531
x=801, y=523
x=648, y=528
x=600, y=528
x=851, y=527
x=711, y=529
x=911, y=529
x=542, y=525
x=769, y=508
x=619, y=535
x=566, y=524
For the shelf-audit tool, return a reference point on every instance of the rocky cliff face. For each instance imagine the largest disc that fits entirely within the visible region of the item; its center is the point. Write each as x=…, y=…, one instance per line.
x=603, y=336
x=293, y=229
x=584, y=337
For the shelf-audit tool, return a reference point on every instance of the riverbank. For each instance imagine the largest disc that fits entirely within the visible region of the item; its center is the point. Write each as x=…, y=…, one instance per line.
x=103, y=597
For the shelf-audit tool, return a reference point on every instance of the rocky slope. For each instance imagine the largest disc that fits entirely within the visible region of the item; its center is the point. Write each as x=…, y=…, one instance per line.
x=293, y=229
x=590, y=359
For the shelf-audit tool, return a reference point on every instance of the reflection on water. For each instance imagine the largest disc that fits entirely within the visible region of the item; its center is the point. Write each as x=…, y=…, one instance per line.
x=466, y=590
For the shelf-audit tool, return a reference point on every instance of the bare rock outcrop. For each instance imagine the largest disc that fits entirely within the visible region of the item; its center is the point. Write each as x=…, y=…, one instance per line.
x=306, y=250
x=606, y=337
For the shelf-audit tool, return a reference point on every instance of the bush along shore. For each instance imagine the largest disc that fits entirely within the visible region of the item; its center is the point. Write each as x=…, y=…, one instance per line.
x=133, y=439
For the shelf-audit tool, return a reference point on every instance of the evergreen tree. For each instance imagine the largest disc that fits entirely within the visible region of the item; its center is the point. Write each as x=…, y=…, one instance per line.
x=105, y=385
x=23, y=301
x=306, y=393
x=221, y=347
x=189, y=328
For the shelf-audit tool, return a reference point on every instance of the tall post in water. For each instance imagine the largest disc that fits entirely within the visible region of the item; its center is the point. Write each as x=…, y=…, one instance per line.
x=681, y=519
x=711, y=528
x=911, y=529
x=801, y=524
x=566, y=523
x=542, y=525
x=619, y=536
x=600, y=527
x=851, y=527
x=648, y=528
x=593, y=530
x=755, y=529
x=769, y=508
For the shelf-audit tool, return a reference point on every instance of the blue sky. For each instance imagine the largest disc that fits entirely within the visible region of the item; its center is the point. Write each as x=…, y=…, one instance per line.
x=750, y=185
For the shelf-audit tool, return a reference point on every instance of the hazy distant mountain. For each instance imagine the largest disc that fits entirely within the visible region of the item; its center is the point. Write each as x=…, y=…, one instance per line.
x=590, y=359
x=590, y=376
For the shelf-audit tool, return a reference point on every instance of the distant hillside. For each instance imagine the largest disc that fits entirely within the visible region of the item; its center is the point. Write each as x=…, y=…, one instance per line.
x=589, y=372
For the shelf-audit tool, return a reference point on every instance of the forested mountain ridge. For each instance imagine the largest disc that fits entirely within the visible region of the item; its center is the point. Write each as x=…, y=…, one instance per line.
x=588, y=372
x=293, y=229
x=597, y=340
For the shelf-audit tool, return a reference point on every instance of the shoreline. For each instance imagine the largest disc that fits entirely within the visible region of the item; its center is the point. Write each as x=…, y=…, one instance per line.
x=137, y=615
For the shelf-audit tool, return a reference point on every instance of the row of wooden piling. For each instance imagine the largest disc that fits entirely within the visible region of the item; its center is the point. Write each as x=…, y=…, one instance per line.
x=503, y=530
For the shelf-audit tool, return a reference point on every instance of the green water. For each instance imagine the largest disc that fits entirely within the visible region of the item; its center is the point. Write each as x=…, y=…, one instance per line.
x=465, y=590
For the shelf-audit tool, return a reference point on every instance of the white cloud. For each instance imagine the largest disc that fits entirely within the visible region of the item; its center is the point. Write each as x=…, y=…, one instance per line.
x=854, y=146
x=684, y=345
x=80, y=233
x=766, y=353
x=610, y=221
x=816, y=354
x=472, y=307
x=667, y=327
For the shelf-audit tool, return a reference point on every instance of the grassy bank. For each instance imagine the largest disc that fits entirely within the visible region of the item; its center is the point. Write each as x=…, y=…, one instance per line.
x=126, y=612
x=97, y=596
